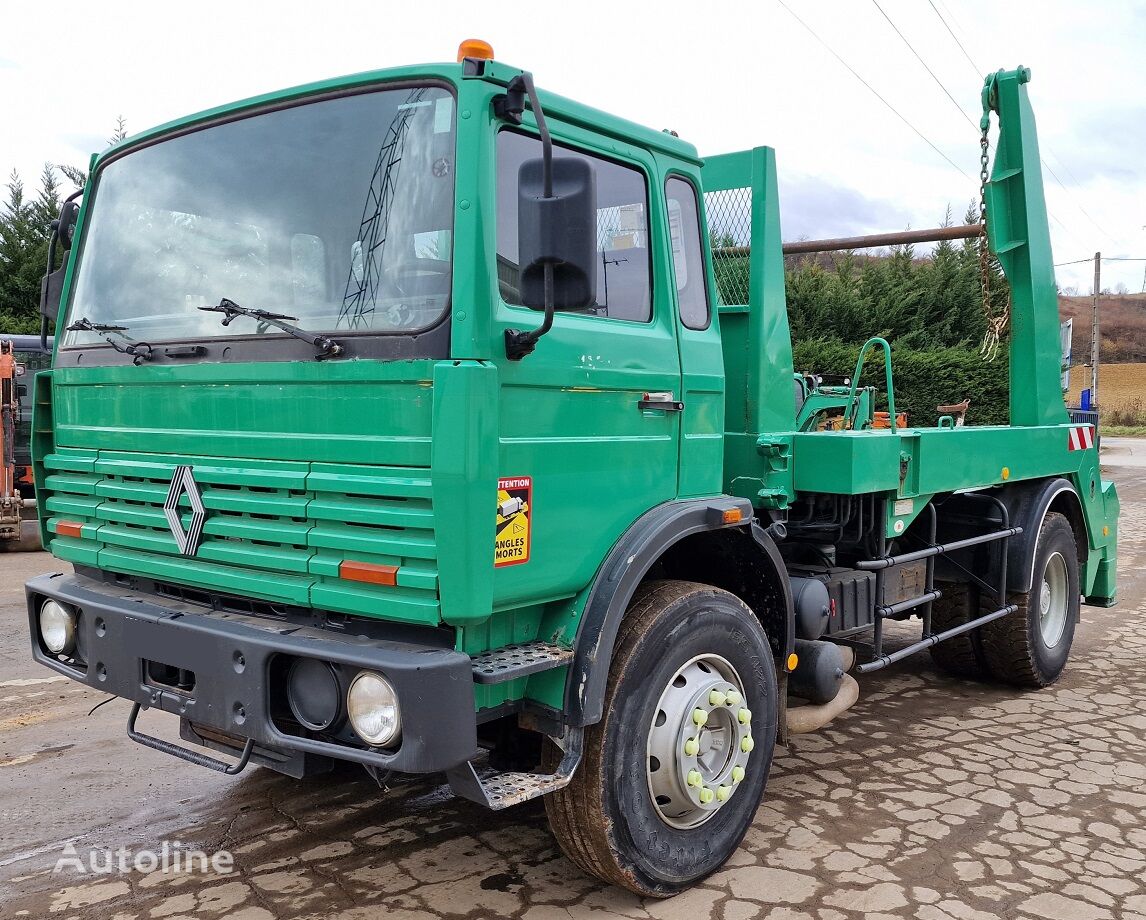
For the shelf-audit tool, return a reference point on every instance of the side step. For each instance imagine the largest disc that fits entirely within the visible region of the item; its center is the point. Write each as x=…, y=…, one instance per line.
x=512, y=661
x=501, y=790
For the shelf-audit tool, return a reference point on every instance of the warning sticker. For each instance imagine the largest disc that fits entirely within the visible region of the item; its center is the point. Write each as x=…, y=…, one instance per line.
x=514, y=508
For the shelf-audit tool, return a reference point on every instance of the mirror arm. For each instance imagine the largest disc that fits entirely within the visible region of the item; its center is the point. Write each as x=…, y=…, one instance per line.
x=518, y=343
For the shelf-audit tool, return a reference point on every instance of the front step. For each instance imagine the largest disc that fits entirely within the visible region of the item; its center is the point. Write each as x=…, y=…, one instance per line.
x=501, y=790
x=520, y=660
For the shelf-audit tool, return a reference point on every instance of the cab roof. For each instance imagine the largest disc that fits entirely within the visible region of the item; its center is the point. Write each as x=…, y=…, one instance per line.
x=495, y=72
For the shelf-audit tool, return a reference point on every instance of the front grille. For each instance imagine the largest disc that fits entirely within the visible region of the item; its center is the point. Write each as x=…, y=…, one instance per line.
x=274, y=530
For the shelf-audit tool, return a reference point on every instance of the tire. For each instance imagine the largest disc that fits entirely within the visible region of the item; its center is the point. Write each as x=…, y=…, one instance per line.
x=962, y=655
x=607, y=820
x=1030, y=647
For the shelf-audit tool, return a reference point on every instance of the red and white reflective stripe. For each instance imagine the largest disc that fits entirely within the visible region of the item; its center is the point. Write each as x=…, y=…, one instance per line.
x=1081, y=437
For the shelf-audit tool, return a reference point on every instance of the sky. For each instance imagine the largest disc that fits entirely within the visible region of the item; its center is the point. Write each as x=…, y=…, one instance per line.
x=725, y=76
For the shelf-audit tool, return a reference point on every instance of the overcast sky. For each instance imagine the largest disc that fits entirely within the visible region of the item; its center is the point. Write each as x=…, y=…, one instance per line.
x=725, y=76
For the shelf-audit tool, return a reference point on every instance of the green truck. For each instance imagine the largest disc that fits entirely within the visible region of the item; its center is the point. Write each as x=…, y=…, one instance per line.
x=396, y=419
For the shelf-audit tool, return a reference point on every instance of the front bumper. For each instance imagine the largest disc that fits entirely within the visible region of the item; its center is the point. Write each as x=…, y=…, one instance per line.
x=237, y=671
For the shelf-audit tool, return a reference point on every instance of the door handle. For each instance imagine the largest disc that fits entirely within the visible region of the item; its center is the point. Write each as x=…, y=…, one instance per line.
x=666, y=402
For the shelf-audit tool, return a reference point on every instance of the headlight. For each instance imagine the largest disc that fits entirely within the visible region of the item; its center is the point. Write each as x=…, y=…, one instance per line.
x=57, y=628
x=373, y=708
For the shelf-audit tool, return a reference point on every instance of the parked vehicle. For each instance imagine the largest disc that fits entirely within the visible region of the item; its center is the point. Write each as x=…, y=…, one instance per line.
x=395, y=418
x=32, y=358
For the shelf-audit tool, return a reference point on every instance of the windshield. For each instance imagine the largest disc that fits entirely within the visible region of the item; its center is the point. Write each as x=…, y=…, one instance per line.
x=338, y=213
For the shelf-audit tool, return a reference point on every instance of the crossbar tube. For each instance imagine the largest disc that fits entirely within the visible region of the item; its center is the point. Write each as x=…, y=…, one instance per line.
x=874, y=565
x=884, y=660
x=890, y=610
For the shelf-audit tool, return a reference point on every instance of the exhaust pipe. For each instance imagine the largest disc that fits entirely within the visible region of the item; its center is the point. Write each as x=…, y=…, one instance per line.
x=804, y=719
x=821, y=677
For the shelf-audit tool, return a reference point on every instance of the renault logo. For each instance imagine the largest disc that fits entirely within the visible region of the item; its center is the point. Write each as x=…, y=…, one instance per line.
x=183, y=483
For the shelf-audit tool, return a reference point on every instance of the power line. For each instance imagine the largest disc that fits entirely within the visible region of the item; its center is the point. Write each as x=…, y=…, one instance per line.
x=978, y=72
x=1077, y=203
x=974, y=66
x=1065, y=228
x=1065, y=167
x=959, y=108
x=1102, y=259
x=873, y=91
x=1045, y=164
x=919, y=58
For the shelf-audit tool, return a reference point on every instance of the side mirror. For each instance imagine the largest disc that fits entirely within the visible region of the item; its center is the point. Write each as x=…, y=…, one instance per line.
x=69, y=214
x=559, y=231
x=52, y=282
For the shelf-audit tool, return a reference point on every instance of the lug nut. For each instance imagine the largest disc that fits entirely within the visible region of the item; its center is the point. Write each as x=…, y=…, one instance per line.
x=716, y=698
x=722, y=793
x=694, y=778
x=733, y=698
x=747, y=744
x=745, y=716
x=691, y=747
x=737, y=774
x=706, y=795
x=700, y=717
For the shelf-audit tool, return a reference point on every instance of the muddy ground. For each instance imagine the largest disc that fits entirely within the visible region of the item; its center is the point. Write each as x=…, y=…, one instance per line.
x=931, y=798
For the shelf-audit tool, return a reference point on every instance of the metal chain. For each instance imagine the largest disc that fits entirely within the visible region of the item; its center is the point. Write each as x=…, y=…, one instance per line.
x=996, y=325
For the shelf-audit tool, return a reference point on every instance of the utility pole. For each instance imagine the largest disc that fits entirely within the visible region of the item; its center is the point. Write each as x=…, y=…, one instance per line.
x=1094, y=331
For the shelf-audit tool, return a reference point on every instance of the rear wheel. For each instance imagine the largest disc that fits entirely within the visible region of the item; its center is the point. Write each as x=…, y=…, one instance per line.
x=673, y=773
x=962, y=655
x=1030, y=647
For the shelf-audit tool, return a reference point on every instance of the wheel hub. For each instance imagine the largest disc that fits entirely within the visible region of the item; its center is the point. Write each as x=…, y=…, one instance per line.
x=1053, y=600
x=699, y=742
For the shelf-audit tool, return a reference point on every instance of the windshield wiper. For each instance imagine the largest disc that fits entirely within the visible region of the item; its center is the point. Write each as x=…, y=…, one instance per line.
x=230, y=309
x=139, y=351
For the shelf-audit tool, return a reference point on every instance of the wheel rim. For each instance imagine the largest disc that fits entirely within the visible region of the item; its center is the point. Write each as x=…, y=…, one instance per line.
x=699, y=742
x=1053, y=600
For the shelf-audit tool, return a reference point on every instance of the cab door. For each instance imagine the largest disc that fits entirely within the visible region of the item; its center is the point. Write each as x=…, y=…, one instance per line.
x=584, y=448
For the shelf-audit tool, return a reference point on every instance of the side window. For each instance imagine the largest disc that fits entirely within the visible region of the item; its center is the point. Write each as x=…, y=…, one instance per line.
x=687, y=253
x=623, y=267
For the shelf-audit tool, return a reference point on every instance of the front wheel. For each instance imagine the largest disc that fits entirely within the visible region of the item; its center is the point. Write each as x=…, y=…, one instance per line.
x=673, y=773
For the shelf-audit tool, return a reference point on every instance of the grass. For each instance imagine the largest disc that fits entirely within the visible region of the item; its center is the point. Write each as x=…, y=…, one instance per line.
x=1123, y=431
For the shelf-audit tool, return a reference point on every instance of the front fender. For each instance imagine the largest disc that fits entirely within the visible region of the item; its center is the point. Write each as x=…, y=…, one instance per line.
x=608, y=597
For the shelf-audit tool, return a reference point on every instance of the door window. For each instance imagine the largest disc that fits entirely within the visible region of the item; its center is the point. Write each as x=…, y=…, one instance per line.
x=623, y=265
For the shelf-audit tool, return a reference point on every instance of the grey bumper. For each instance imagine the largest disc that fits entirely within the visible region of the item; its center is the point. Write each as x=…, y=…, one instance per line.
x=233, y=658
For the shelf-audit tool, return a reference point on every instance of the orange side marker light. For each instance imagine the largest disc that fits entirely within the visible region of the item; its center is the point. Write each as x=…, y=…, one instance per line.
x=369, y=572
x=69, y=529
